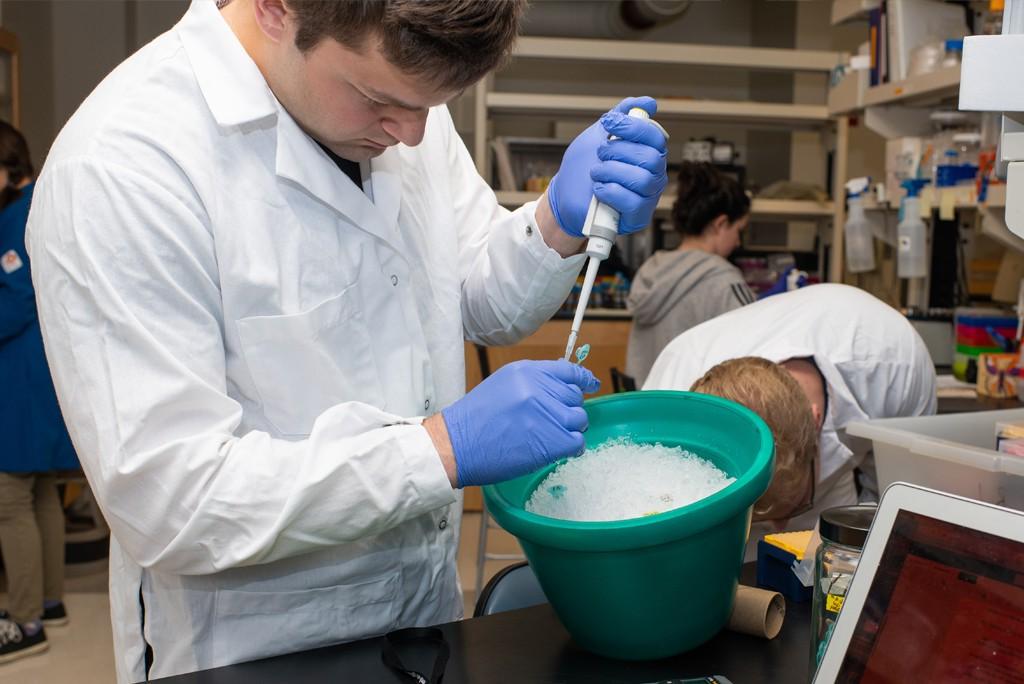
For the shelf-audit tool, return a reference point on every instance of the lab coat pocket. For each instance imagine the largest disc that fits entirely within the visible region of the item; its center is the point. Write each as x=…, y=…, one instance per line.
x=303, y=364
x=256, y=624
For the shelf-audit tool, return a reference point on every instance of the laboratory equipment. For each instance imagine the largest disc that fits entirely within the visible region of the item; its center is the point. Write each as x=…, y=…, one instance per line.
x=935, y=597
x=979, y=331
x=600, y=227
x=843, y=531
x=925, y=59
x=968, y=147
x=990, y=82
x=946, y=124
x=860, y=246
x=655, y=586
x=912, y=250
x=954, y=48
x=954, y=453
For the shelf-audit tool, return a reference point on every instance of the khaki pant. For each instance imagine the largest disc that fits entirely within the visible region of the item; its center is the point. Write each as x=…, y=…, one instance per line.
x=32, y=542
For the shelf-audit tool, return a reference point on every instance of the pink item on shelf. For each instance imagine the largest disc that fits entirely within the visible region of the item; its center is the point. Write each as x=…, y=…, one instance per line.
x=1014, y=447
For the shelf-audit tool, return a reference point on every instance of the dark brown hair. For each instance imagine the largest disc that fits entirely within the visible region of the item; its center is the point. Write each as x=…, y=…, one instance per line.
x=704, y=193
x=15, y=158
x=454, y=43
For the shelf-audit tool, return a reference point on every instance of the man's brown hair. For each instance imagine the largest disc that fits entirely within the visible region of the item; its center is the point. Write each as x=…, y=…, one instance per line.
x=771, y=392
x=453, y=43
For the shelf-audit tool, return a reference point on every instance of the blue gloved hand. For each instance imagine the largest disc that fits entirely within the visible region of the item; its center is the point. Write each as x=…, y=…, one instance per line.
x=779, y=287
x=782, y=284
x=628, y=174
x=523, y=417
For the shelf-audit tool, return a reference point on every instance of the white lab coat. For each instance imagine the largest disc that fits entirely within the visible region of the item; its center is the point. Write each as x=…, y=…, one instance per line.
x=873, y=361
x=244, y=344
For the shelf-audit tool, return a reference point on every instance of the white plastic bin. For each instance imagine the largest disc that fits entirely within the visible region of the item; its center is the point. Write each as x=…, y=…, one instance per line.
x=953, y=453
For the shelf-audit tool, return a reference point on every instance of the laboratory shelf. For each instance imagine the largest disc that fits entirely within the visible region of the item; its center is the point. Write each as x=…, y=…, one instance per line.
x=852, y=10
x=964, y=198
x=494, y=102
x=583, y=49
x=848, y=95
x=921, y=91
x=667, y=107
x=791, y=208
x=762, y=208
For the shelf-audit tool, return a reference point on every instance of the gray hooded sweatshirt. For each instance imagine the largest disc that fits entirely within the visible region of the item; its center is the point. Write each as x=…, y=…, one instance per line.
x=674, y=291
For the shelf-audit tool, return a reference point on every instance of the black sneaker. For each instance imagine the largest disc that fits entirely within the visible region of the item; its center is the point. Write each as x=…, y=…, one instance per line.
x=15, y=644
x=57, y=616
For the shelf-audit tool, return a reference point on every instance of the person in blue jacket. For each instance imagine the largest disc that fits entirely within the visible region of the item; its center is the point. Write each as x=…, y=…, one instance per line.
x=35, y=441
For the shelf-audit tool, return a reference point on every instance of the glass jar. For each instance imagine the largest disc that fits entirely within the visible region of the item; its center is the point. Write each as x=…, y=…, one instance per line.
x=843, y=531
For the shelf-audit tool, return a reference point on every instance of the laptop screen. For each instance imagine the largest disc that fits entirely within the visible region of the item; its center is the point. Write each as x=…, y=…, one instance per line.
x=946, y=605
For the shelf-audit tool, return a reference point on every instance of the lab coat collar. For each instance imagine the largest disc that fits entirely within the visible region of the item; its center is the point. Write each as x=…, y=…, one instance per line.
x=300, y=160
x=231, y=83
x=236, y=93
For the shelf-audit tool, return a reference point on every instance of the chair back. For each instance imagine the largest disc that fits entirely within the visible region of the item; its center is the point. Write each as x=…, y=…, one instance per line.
x=512, y=588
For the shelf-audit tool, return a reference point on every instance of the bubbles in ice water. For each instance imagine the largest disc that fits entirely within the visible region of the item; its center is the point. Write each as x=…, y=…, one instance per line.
x=622, y=479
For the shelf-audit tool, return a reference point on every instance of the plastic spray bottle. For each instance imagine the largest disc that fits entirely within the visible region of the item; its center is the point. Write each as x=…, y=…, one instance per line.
x=860, y=246
x=911, y=255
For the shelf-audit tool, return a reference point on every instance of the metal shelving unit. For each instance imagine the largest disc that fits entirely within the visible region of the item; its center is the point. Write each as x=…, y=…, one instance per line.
x=791, y=115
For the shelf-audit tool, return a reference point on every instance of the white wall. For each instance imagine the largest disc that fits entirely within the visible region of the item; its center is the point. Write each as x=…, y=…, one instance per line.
x=68, y=46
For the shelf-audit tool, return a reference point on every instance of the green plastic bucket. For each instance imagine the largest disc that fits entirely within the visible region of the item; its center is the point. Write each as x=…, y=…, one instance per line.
x=655, y=586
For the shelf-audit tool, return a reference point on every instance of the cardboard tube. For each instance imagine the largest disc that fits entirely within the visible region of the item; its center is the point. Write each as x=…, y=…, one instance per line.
x=757, y=612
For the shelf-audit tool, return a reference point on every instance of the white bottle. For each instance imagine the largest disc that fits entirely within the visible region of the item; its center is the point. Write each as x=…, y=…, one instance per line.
x=860, y=245
x=911, y=252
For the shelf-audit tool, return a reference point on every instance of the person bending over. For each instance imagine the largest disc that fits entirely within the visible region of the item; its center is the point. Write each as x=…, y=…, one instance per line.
x=809, y=362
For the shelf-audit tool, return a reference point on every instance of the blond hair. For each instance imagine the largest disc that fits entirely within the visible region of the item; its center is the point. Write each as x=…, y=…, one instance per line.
x=771, y=392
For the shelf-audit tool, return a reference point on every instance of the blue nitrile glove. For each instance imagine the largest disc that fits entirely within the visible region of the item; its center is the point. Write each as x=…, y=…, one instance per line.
x=626, y=174
x=782, y=284
x=779, y=287
x=525, y=416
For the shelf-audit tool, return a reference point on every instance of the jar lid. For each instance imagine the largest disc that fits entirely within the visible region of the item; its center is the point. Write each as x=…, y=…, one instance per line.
x=847, y=525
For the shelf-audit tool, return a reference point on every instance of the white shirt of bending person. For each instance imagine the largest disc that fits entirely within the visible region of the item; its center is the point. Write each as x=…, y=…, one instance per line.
x=245, y=343
x=874, y=364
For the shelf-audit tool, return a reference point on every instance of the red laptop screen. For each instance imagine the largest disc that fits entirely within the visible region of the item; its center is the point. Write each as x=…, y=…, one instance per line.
x=946, y=605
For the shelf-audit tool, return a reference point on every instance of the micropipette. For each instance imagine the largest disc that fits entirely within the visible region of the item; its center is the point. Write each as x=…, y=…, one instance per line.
x=600, y=228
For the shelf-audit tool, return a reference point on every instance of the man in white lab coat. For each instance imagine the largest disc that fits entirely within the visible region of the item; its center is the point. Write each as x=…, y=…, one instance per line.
x=823, y=357
x=258, y=246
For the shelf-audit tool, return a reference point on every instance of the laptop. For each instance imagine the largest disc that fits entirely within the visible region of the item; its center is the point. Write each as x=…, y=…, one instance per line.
x=938, y=595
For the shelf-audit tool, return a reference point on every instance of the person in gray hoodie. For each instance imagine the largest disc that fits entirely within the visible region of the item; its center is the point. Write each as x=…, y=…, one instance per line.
x=677, y=289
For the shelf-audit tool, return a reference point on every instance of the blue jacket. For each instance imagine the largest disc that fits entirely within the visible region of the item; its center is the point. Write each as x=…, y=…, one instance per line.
x=34, y=438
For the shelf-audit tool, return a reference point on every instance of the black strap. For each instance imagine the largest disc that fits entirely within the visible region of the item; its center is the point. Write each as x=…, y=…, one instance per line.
x=416, y=635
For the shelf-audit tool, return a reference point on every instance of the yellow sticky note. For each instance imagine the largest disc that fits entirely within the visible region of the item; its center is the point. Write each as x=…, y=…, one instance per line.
x=833, y=602
x=947, y=204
